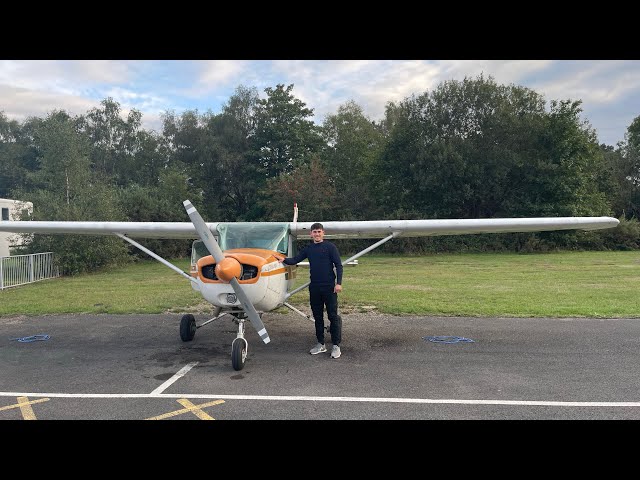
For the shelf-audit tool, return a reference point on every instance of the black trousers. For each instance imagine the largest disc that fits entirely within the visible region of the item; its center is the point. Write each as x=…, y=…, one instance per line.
x=319, y=297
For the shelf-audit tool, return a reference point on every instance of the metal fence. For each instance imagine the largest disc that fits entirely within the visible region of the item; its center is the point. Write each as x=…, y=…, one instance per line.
x=22, y=269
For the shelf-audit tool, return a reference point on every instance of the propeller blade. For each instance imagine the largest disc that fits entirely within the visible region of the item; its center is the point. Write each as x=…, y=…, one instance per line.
x=203, y=232
x=248, y=307
x=210, y=242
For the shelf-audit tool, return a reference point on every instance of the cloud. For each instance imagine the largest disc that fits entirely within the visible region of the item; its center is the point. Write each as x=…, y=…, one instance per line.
x=64, y=77
x=326, y=84
x=21, y=103
x=503, y=71
x=608, y=88
x=595, y=82
x=214, y=74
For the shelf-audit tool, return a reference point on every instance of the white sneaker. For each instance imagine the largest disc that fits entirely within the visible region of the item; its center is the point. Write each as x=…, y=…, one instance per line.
x=335, y=351
x=319, y=348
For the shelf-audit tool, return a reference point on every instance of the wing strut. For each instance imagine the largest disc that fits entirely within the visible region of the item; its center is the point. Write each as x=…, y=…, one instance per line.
x=359, y=254
x=291, y=307
x=157, y=257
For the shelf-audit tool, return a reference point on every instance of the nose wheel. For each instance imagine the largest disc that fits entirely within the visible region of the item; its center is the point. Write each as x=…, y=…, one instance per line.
x=239, y=346
x=238, y=353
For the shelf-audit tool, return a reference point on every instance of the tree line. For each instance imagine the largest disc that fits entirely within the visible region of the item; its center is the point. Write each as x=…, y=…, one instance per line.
x=466, y=149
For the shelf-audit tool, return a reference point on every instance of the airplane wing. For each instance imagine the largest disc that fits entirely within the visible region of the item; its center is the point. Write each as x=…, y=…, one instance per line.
x=131, y=229
x=333, y=229
x=422, y=228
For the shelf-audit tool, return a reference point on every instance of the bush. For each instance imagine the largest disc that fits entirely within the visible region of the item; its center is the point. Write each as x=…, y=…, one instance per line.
x=625, y=236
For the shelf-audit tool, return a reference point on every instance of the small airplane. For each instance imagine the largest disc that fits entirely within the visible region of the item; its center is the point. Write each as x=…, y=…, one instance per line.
x=237, y=266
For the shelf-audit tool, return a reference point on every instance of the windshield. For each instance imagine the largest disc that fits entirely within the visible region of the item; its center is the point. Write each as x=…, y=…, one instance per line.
x=267, y=235
x=270, y=236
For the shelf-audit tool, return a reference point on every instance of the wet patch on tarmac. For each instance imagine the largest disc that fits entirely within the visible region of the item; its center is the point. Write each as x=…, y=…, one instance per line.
x=188, y=355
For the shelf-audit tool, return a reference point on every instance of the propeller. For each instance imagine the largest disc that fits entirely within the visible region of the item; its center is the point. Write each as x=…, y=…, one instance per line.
x=226, y=269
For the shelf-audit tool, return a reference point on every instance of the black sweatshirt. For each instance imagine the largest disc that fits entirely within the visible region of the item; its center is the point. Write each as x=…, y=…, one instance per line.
x=322, y=258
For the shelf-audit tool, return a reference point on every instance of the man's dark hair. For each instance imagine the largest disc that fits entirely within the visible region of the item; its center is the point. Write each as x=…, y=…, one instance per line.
x=317, y=226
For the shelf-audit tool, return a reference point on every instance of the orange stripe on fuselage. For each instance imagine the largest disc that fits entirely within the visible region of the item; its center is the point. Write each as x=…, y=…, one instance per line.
x=277, y=271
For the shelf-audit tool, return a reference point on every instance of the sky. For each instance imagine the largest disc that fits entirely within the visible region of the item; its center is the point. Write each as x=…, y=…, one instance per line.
x=609, y=89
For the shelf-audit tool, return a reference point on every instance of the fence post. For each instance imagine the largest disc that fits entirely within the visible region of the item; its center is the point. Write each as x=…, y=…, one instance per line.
x=31, y=268
x=1, y=275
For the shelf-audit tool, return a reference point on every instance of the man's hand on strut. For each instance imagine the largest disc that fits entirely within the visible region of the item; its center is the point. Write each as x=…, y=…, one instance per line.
x=337, y=288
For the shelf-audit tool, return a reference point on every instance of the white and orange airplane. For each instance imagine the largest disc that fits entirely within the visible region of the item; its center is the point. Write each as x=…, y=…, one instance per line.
x=240, y=272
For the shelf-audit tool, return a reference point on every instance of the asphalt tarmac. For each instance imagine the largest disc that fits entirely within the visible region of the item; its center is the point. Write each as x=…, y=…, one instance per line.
x=135, y=367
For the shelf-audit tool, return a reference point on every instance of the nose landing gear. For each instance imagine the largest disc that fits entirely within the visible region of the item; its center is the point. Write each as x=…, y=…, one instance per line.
x=239, y=347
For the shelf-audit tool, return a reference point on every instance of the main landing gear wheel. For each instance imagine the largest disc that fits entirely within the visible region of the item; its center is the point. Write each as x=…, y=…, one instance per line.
x=238, y=353
x=187, y=327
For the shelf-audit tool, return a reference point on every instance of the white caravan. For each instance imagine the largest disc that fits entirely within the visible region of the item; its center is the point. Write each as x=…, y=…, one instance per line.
x=11, y=210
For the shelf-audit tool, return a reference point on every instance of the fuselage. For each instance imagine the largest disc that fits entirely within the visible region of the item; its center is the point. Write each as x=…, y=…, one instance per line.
x=263, y=278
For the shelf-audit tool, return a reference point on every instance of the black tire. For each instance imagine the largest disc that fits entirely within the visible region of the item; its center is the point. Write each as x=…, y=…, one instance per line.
x=187, y=327
x=238, y=354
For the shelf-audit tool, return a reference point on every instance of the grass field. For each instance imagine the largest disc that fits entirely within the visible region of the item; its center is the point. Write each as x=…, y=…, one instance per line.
x=567, y=284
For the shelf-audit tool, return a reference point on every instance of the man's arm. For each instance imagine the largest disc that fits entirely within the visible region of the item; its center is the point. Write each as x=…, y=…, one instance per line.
x=337, y=262
x=293, y=260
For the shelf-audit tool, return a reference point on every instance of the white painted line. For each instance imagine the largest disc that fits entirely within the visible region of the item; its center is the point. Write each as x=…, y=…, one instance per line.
x=180, y=373
x=539, y=403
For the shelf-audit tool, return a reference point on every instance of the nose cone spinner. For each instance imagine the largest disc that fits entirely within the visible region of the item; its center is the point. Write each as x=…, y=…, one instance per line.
x=228, y=268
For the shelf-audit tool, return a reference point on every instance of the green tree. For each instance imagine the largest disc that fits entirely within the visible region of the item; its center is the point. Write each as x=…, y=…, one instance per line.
x=354, y=145
x=478, y=149
x=64, y=188
x=151, y=159
x=393, y=114
x=629, y=170
x=17, y=158
x=310, y=186
x=616, y=185
x=238, y=181
x=186, y=138
x=158, y=203
x=568, y=182
x=63, y=158
x=241, y=107
x=115, y=141
x=623, y=164
x=284, y=137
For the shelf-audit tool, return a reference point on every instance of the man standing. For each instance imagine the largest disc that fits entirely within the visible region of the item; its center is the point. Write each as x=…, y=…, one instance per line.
x=324, y=287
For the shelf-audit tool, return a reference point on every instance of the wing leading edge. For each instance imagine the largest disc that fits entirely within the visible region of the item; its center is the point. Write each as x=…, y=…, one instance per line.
x=339, y=229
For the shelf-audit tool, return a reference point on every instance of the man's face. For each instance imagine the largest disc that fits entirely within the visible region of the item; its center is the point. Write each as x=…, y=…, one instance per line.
x=317, y=235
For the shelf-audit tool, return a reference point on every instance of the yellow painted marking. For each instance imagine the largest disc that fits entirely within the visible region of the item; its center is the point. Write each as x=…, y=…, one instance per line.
x=189, y=407
x=25, y=408
x=194, y=409
x=24, y=404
